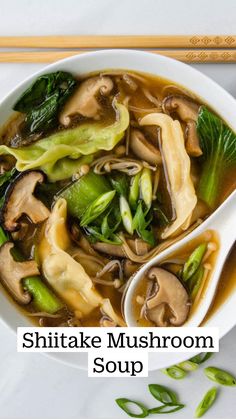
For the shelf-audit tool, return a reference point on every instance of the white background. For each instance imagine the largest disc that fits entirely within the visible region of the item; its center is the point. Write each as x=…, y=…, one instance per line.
x=33, y=386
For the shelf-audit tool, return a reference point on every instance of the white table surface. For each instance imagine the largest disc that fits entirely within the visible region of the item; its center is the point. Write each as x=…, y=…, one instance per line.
x=33, y=386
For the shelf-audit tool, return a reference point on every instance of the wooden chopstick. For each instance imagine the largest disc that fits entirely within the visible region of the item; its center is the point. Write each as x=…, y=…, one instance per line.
x=121, y=41
x=189, y=56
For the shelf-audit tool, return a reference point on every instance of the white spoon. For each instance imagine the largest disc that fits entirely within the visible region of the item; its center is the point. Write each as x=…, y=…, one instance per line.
x=223, y=221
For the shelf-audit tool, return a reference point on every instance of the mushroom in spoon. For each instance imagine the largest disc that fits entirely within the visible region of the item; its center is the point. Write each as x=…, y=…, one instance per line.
x=166, y=294
x=222, y=221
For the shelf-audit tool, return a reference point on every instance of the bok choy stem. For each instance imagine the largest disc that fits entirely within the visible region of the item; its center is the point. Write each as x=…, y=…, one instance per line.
x=43, y=298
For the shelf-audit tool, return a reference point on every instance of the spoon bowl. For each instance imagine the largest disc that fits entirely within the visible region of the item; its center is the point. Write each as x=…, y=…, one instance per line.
x=222, y=221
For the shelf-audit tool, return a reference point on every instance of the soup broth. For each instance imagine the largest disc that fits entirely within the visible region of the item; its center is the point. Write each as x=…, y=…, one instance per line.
x=97, y=176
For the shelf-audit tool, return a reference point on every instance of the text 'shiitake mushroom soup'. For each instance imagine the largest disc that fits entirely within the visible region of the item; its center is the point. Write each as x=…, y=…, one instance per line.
x=97, y=176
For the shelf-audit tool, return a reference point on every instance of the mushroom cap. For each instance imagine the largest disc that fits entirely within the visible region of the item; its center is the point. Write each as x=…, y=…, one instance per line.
x=186, y=109
x=12, y=272
x=169, y=294
x=19, y=200
x=84, y=101
x=139, y=246
x=143, y=148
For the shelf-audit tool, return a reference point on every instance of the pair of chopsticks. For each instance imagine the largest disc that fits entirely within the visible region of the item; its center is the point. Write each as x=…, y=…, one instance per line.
x=191, y=48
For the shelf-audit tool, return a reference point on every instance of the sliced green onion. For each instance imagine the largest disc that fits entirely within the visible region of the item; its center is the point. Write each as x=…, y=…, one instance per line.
x=175, y=372
x=166, y=409
x=194, y=261
x=122, y=403
x=97, y=207
x=206, y=402
x=163, y=394
x=195, y=282
x=220, y=376
x=43, y=298
x=134, y=190
x=126, y=215
x=146, y=186
x=202, y=357
x=188, y=366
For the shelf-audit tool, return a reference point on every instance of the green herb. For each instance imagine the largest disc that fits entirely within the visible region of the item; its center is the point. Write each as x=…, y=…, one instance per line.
x=96, y=235
x=218, y=143
x=163, y=394
x=146, y=187
x=206, y=402
x=202, y=357
x=122, y=403
x=188, y=365
x=220, y=376
x=97, y=207
x=134, y=190
x=42, y=101
x=193, y=262
x=141, y=221
x=195, y=282
x=43, y=298
x=126, y=215
x=175, y=372
x=120, y=183
x=166, y=409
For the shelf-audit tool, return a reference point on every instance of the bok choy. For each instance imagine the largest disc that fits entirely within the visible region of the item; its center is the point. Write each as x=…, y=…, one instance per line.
x=218, y=143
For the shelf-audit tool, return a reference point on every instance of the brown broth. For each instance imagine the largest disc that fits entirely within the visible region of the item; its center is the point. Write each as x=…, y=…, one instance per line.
x=159, y=87
x=183, y=253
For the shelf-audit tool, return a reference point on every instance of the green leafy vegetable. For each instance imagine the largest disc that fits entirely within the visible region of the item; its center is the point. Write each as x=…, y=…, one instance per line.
x=166, y=409
x=163, y=394
x=42, y=101
x=134, y=190
x=59, y=155
x=201, y=358
x=206, y=402
x=141, y=221
x=218, y=143
x=83, y=192
x=122, y=403
x=220, y=376
x=97, y=207
x=193, y=262
x=96, y=235
x=119, y=182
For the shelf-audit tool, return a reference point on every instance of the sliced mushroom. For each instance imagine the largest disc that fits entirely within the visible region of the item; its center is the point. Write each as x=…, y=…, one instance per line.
x=168, y=302
x=84, y=100
x=12, y=272
x=187, y=110
x=139, y=246
x=19, y=200
x=143, y=148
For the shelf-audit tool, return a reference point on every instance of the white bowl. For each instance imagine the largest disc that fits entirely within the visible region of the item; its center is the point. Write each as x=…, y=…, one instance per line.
x=210, y=92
